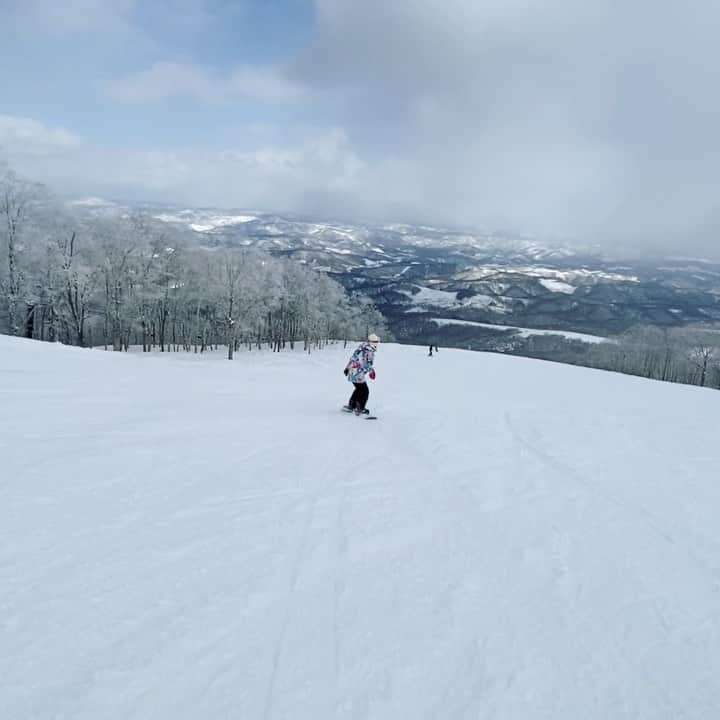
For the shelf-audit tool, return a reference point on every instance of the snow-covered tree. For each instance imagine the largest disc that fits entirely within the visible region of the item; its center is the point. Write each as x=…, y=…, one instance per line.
x=132, y=279
x=18, y=198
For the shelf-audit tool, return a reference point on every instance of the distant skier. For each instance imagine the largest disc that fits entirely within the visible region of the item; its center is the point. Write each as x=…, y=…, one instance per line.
x=430, y=353
x=360, y=365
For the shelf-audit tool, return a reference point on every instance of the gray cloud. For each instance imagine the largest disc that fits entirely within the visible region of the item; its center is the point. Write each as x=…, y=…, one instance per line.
x=297, y=176
x=591, y=120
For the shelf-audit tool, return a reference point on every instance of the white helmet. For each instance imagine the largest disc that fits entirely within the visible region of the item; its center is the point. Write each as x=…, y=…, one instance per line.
x=373, y=338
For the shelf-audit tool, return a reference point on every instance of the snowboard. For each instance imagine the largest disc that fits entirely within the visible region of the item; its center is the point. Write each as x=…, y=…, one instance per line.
x=346, y=409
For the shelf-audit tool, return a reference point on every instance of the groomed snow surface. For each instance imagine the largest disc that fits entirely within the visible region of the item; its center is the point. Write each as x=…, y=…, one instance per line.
x=183, y=537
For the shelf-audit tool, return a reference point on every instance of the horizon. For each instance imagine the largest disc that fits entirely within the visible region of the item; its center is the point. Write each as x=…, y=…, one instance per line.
x=612, y=253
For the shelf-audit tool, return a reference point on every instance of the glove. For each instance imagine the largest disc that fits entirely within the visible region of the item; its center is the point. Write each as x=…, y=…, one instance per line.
x=372, y=374
x=346, y=371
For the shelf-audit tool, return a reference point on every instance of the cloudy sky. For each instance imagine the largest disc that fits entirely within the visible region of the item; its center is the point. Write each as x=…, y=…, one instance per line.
x=595, y=120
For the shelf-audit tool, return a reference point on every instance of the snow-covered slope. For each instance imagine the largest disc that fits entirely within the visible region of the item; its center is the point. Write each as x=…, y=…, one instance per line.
x=185, y=537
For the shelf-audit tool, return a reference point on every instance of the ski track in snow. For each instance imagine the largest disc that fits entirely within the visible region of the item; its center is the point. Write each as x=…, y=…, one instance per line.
x=297, y=565
x=184, y=537
x=637, y=512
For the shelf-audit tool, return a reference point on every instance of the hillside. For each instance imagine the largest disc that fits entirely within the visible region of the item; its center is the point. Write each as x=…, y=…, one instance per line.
x=186, y=537
x=415, y=274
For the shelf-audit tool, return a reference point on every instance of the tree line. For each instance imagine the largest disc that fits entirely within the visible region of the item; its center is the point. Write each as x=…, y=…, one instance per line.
x=132, y=280
x=688, y=355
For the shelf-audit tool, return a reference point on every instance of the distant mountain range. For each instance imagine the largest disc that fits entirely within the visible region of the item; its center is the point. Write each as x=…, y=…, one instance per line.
x=470, y=289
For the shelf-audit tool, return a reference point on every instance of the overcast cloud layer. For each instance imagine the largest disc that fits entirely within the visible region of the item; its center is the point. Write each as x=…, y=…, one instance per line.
x=594, y=121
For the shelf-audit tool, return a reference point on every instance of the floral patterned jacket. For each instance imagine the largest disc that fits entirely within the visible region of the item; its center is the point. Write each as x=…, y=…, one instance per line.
x=361, y=363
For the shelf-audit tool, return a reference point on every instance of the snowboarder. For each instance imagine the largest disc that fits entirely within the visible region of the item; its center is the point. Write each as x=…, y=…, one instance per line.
x=360, y=365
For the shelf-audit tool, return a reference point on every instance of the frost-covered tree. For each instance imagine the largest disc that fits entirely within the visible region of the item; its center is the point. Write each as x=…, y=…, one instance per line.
x=685, y=355
x=18, y=198
x=120, y=272
x=125, y=279
x=79, y=280
x=229, y=278
x=703, y=351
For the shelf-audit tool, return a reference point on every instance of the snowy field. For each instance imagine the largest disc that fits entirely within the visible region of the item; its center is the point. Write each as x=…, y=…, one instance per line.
x=186, y=538
x=523, y=332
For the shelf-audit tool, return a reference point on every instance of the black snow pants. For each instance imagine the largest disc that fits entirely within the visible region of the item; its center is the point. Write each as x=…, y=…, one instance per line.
x=359, y=397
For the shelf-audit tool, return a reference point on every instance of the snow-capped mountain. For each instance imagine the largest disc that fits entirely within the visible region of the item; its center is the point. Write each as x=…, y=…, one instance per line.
x=356, y=245
x=417, y=274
